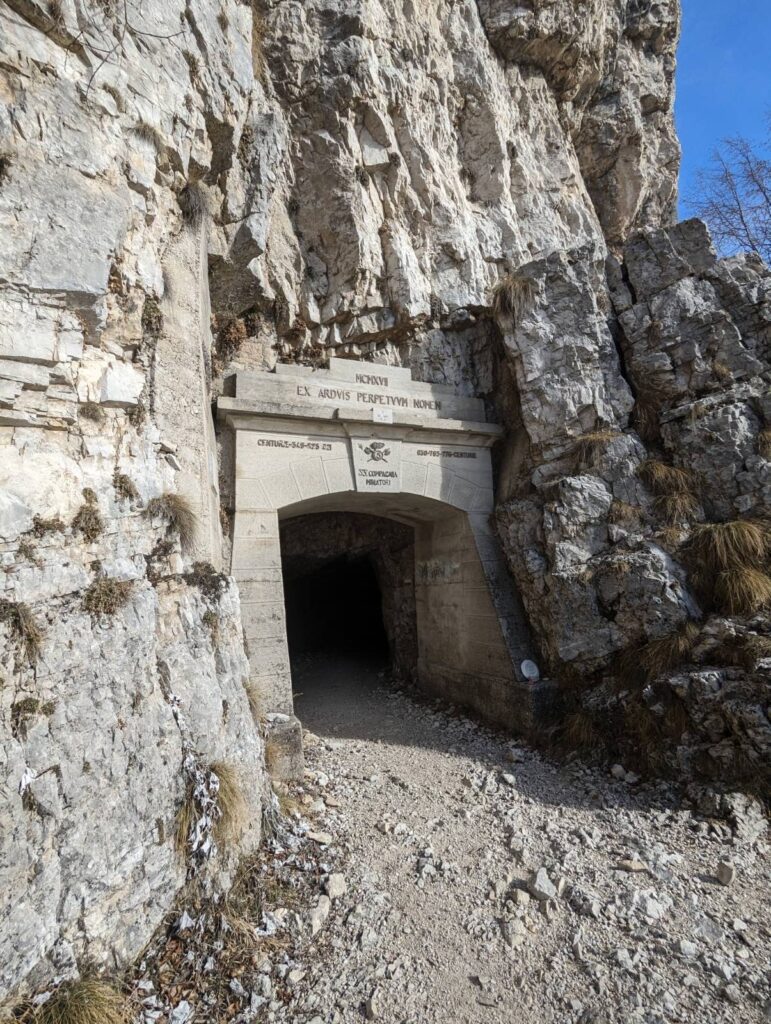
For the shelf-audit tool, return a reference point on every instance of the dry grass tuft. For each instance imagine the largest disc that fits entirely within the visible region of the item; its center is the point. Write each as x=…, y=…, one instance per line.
x=623, y=514
x=764, y=443
x=722, y=371
x=720, y=547
x=148, y=134
x=152, y=318
x=754, y=649
x=680, y=507
x=642, y=663
x=670, y=538
x=667, y=652
x=178, y=513
x=91, y=411
x=645, y=418
x=125, y=487
x=746, y=651
x=662, y=479
x=255, y=702
x=589, y=449
x=86, y=1001
x=193, y=63
x=579, y=732
x=512, y=297
x=230, y=800
x=88, y=521
x=742, y=591
x=187, y=815
x=22, y=623
x=106, y=596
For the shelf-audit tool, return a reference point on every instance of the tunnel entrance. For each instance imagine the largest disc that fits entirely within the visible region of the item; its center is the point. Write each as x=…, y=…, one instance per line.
x=314, y=451
x=349, y=591
x=336, y=609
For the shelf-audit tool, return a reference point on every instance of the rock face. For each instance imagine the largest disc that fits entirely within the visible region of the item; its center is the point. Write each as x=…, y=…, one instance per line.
x=481, y=191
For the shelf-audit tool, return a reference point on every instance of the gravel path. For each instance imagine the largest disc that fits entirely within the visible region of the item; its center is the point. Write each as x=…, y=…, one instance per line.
x=485, y=883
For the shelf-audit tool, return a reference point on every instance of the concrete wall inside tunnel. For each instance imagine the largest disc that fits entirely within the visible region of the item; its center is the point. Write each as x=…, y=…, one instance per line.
x=419, y=469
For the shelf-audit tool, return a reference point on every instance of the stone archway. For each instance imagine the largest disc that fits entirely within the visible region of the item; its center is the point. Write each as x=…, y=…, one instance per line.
x=360, y=437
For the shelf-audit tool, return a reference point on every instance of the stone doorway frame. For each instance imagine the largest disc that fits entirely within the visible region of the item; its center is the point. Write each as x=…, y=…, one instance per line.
x=302, y=446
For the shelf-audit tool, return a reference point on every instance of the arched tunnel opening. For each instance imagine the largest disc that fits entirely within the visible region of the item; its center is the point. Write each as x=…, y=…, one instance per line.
x=349, y=595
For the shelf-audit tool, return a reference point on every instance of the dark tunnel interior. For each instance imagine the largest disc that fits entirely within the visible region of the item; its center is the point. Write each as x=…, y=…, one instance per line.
x=336, y=609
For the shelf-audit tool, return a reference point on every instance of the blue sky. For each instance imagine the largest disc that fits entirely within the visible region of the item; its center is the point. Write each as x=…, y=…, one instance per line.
x=723, y=78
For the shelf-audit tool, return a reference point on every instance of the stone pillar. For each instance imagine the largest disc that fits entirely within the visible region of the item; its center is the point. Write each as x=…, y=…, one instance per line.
x=257, y=569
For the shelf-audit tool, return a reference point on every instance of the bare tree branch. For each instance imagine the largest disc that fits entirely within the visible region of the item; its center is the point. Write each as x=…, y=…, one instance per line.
x=733, y=196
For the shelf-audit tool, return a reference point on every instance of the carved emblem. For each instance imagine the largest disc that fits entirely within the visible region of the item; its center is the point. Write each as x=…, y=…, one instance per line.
x=377, y=451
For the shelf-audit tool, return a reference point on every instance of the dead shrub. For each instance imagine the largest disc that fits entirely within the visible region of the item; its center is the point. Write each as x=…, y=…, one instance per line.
x=124, y=487
x=42, y=527
x=179, y=515
x=211, y=620
x=91, y=411
x=191, y=205
x=230, y=338
x=26, y=552
x=720, y=547
x=137, y=415
x=106, y=596
x=23, y=626
x=589, y=449
x=88, y=521
x=742, y=591
x=85, y=1001
x=512, y=297
x=26, y=709
x=152, y=318
x=205, y=577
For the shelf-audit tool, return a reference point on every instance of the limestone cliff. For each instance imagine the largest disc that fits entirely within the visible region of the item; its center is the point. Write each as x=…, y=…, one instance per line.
x=458, y=186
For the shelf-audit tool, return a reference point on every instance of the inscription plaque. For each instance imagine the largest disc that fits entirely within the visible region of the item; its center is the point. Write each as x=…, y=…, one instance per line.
x=377, y=464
